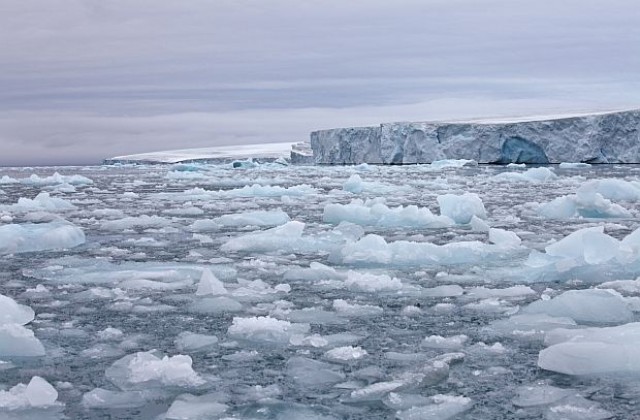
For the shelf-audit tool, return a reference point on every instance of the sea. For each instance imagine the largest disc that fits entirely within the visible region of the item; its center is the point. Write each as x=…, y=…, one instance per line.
x=275, y=291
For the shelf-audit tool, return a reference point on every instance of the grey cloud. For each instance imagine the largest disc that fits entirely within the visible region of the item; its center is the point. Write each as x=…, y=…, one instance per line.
x=110, y=77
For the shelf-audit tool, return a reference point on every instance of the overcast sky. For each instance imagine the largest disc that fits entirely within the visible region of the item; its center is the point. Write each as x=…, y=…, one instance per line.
x=82, y=80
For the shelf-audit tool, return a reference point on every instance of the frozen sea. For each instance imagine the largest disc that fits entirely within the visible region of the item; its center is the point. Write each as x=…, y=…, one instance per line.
x=267, y=291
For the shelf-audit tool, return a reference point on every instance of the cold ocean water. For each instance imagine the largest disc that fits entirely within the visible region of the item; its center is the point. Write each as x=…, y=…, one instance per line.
x=300, y=292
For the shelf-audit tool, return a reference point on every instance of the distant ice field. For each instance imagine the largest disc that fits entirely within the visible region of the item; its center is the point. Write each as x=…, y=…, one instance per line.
x=268, y=291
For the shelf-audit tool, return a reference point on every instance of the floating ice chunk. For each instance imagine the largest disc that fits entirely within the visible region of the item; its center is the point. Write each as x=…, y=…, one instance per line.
x=252, y=218
x=590, y=305
x=314, y=340
x=146, y=370
x=376, y=391
x=591, y=245
x=590, y=358
x=492, y=305
x=217, y=305
x=564, y=207
x=397, y=401
x=504, y=238
x=345, y=308
x=102, y=351
x=368, y=282
x=18, y=238
x=257, y=190
x=188, y=341
x=442, y=407
x=40, y=393
x=574, y=165
x=265, y=330
x=18, y=341
x=288, y=238
x=41, y=202
x=316, y=272
x=7, y=180
x=345, y=354
x=577, y=408
x=277, y=238
x=593, y=351
x=210, y=285
x=540, y=394
x=461, y=208
x=110, y=333
x=191, y=407
x=11, y=312
x=356, y=185
x=478, y=225
x=626, y=287
x=186, y=176
x=452, y=163
x=508, y=292
x=313, y=373
x=534, y=175
x=529, y=326
x=55, y=179
x=583, y=204
x=613, y=189
x=144, y=221
x=107, y=399
x=258, y=290
x=454, y=342
x=374, y=250
x=37, y=394
x=445, y=290
x=376, y=213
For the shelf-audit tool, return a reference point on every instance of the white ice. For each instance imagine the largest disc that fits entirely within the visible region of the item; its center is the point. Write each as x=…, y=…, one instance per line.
x=147, y=370
x=265, y=330
x=37, y=394
x=33, y=237
x=533, y=175
x=593, y=351
x=374, y=212
x=375, y=250
x=251, y=218
x=41, y=202
x=461, y=208
x=368, y=282
x=209, y=284
x=596, y=306
x=442, y=407
x=11, y=312
x=188, y=341
x=191, y=407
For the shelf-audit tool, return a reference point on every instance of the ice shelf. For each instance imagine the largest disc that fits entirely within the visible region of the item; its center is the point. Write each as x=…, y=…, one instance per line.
x=607, y=137
x=268, y=151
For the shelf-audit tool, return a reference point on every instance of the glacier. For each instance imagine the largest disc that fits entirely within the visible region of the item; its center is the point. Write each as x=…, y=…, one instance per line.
x=610, y=137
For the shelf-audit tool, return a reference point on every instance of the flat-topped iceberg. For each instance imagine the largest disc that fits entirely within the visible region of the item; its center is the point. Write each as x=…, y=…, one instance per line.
x=610, y=137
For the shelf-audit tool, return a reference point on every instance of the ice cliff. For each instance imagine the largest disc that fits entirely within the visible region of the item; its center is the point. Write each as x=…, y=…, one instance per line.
x=612, y=137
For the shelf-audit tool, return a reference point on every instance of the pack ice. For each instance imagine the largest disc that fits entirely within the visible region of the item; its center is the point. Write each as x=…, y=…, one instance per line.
x=259, y=290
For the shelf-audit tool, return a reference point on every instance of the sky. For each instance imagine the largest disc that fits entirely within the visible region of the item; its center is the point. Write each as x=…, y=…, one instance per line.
x=84, y=80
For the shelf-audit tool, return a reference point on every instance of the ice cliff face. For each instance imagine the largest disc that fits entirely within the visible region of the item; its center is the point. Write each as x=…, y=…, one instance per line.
x=612, y=137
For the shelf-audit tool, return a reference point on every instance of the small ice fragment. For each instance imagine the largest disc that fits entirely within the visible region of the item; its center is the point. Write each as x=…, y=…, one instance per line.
x=461, y=208
x=345, y=354
x=210, y=285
